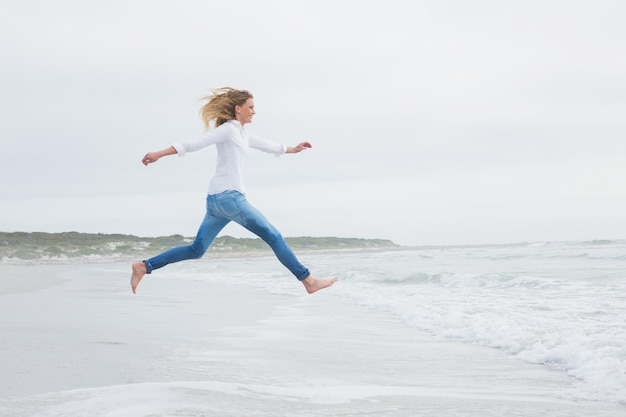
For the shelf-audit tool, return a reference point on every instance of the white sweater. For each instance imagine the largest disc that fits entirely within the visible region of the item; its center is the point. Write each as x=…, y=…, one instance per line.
x=233, y=143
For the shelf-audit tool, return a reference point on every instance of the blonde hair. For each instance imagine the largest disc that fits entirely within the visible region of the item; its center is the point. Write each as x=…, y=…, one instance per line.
x=220, y=107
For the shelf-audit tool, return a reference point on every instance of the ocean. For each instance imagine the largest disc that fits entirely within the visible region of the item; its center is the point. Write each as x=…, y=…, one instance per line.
x=561, y=305
x=451, y=330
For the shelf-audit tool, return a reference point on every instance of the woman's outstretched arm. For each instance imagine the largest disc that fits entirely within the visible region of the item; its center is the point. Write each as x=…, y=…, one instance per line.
x=155, y=156
x=300, y=147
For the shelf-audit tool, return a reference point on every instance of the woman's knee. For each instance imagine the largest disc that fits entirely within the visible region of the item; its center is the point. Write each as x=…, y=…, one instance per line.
x=198, y=249
x=271, y=235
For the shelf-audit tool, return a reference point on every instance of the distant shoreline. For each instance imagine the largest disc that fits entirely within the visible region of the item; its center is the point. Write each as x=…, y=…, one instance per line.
x=72, y=247
x=28, y=247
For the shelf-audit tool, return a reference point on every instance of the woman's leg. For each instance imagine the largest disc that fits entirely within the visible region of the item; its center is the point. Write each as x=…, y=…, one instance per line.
x=208, y=230
x=253, y=220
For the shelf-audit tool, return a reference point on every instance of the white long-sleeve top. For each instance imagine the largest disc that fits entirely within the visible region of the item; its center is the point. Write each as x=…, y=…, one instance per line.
x=233, y=143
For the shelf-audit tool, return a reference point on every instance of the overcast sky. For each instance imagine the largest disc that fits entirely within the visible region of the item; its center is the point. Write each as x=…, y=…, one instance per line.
x=432, y=122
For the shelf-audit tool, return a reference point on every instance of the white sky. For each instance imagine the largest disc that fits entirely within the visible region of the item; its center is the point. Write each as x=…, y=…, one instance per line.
x=432, y=122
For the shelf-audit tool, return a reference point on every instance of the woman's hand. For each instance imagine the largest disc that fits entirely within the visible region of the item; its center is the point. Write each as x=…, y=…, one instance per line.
x=298, y=148
x=150, y=158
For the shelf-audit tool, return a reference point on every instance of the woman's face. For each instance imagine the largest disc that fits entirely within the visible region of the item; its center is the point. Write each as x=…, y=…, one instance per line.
x=244, y=113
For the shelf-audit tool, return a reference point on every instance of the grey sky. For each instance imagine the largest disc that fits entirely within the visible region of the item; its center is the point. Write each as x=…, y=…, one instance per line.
x=432, y=122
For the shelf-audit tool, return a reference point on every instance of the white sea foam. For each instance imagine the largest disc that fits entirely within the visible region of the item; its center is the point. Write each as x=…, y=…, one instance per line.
x=217, y=398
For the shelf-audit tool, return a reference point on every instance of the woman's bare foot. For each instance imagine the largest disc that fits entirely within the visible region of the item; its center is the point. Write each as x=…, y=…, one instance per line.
x=139, y=270
x=312, y=284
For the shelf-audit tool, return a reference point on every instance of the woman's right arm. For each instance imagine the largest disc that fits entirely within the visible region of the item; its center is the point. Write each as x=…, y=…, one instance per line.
x=155, y=156
x=212, y=137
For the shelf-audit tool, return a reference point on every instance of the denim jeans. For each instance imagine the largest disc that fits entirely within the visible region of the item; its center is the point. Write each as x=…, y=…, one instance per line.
x=221, y=209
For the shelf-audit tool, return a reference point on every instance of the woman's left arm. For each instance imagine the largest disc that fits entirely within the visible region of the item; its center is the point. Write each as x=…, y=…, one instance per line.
x=298, y=148
x=277, y=149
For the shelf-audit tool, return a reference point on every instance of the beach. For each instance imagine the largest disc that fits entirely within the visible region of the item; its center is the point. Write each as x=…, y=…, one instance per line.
x=75, y=341
x=22, y=278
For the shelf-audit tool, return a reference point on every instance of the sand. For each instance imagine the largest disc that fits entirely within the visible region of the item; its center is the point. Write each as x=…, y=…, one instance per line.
x=23, y=278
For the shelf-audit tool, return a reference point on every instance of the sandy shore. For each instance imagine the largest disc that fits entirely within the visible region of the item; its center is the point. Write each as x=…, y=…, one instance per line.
x=26, y=278
x=87, y=346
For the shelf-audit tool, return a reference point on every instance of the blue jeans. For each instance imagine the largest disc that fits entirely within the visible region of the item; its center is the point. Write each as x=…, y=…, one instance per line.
x=220, y=210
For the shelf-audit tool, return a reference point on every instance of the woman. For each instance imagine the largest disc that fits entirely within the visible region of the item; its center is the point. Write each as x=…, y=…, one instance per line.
x=229, y=110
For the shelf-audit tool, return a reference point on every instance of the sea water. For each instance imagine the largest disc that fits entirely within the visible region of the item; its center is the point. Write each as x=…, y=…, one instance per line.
x=561, y=305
